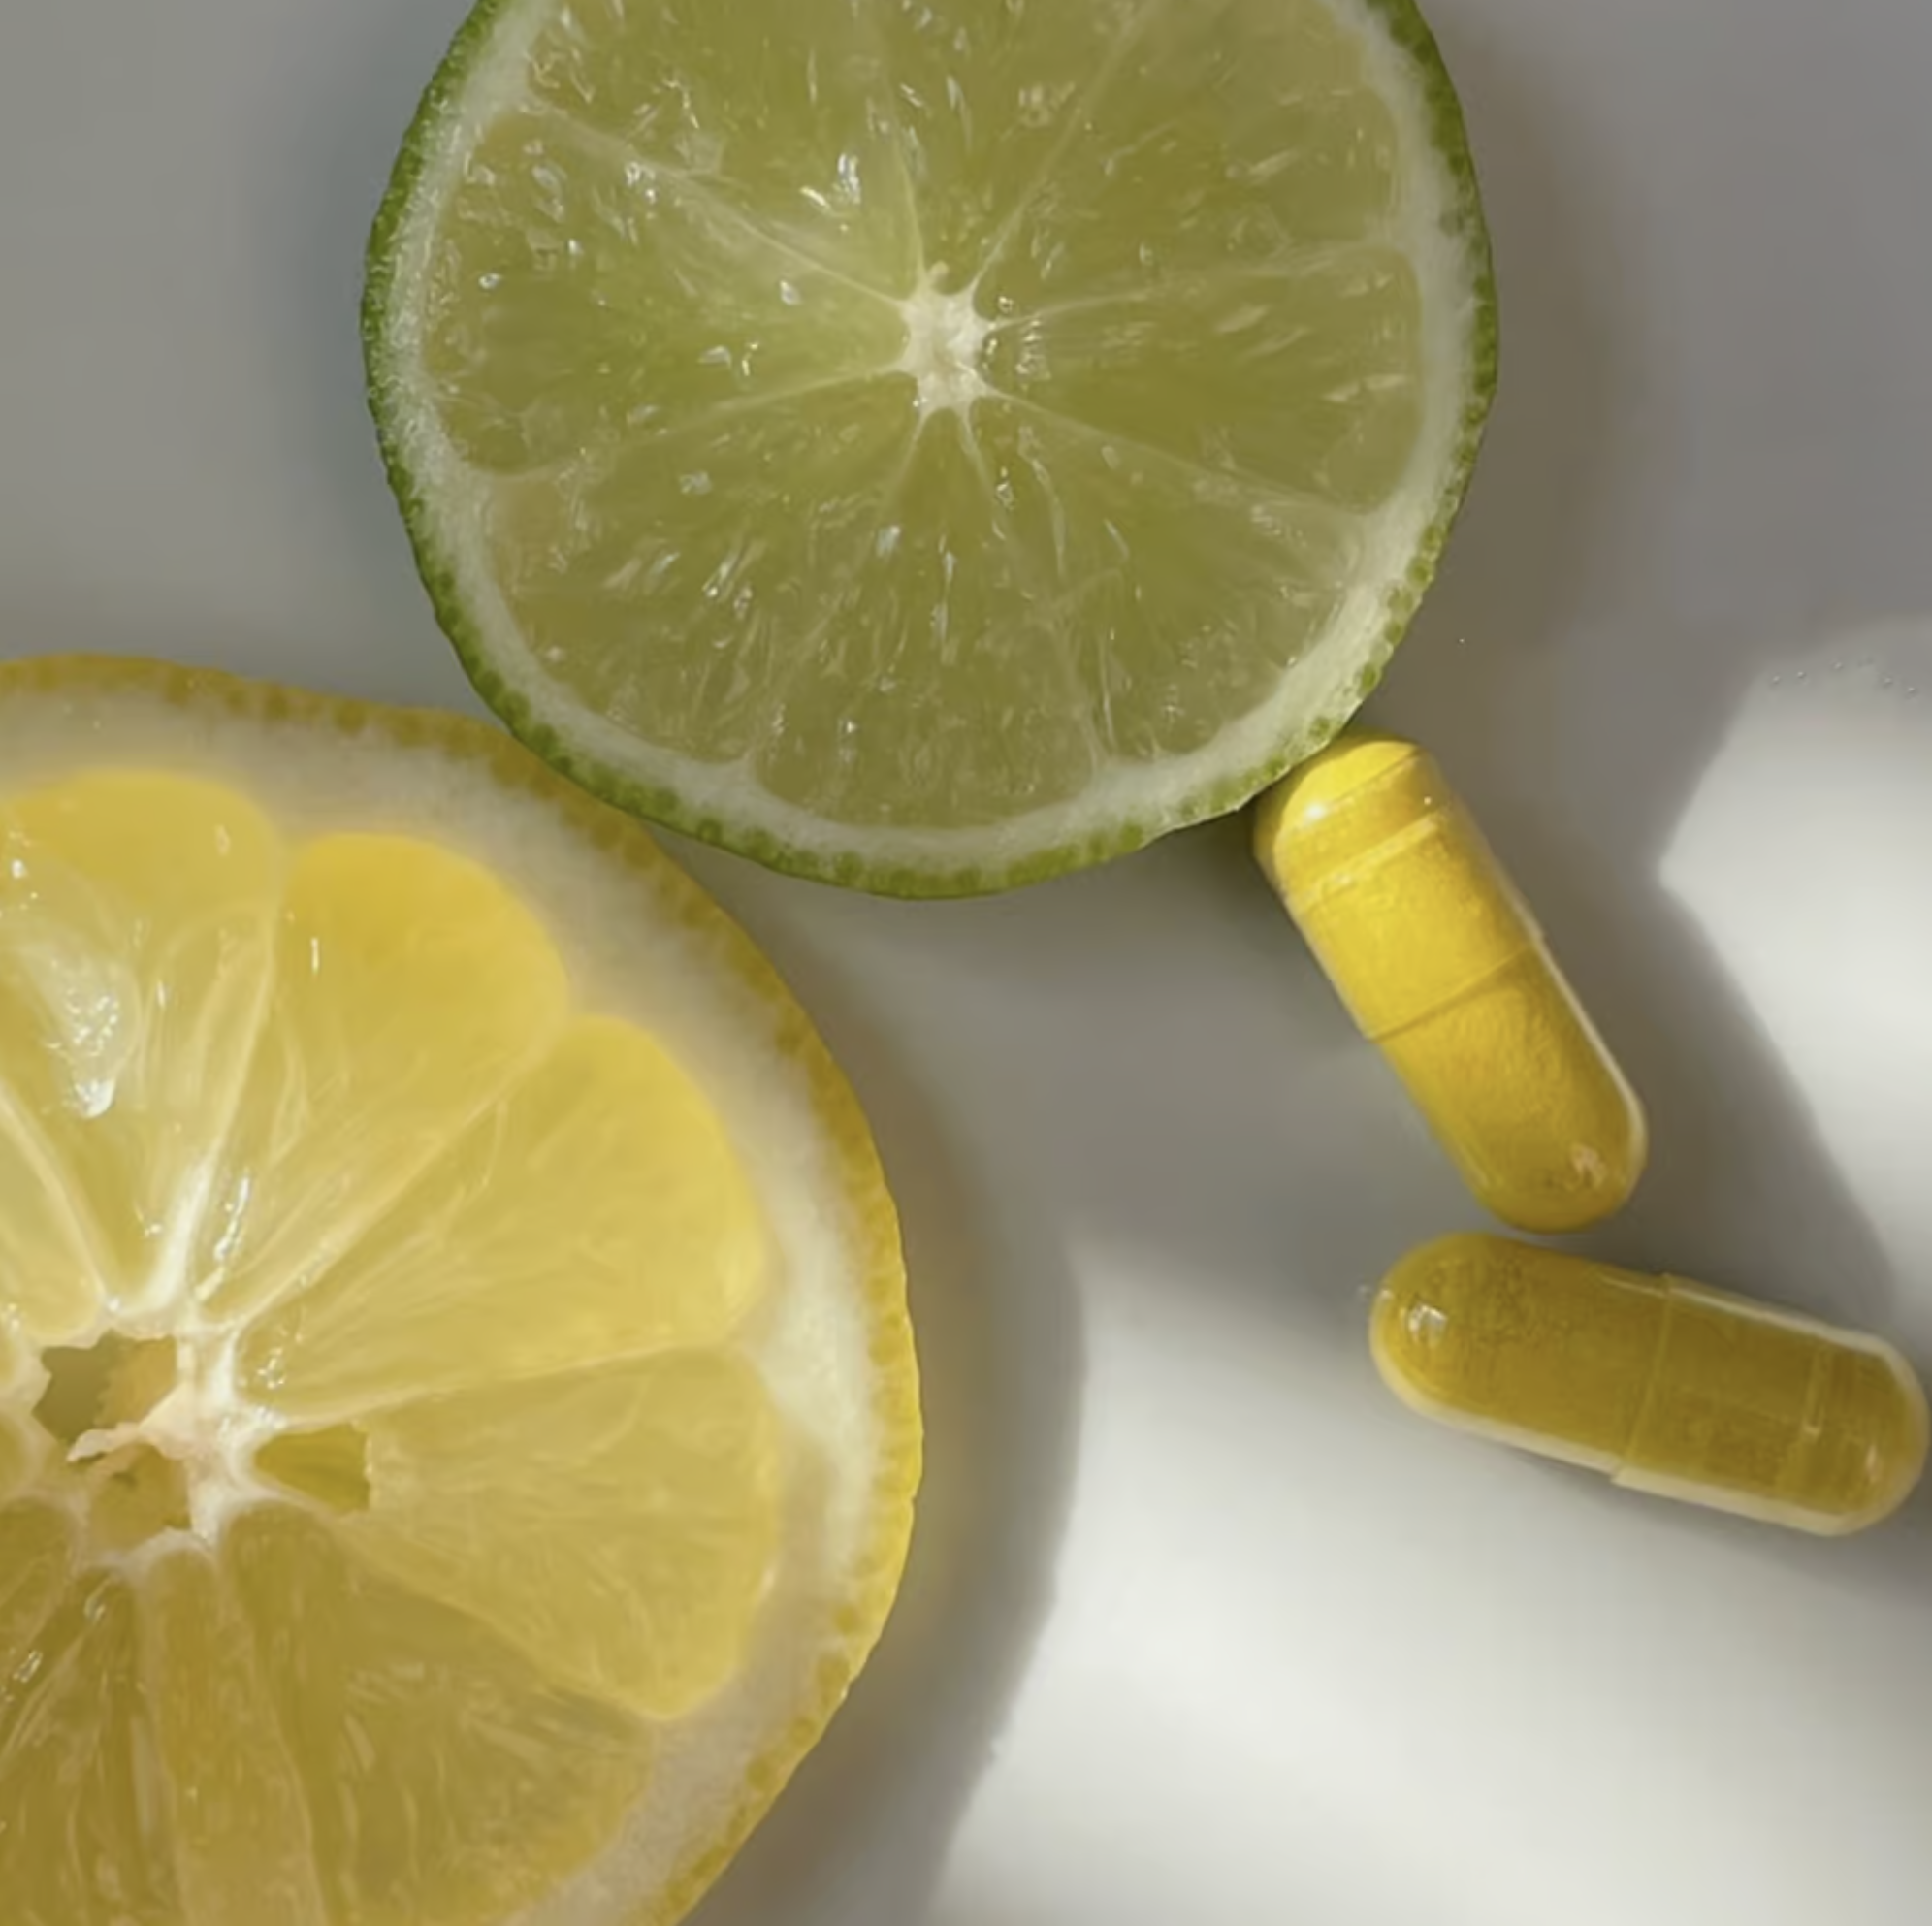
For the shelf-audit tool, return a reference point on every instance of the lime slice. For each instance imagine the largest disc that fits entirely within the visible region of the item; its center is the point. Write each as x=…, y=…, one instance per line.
x=930, y=444
x=458, y=1416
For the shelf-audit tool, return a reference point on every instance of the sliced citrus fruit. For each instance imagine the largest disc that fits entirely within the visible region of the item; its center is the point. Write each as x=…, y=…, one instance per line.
x=458, y=1415
x=929, y=444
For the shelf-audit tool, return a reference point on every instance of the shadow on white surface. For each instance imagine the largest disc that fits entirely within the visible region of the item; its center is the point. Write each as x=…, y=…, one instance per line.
x=337, y=146
x=187, y=456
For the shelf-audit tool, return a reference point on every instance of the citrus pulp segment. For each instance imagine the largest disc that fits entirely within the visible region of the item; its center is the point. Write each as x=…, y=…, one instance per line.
x=927, y=444
x=458, y=1415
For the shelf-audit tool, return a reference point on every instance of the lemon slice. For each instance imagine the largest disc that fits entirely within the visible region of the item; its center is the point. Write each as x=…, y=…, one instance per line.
x=929, y=444
x=458, y=1415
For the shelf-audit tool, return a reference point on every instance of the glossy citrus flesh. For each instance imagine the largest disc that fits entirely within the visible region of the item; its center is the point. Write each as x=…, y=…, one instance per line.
x=924, y=442
x=451, y=1459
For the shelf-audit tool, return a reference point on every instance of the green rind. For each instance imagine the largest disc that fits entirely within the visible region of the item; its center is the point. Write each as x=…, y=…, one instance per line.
x=1410, y=33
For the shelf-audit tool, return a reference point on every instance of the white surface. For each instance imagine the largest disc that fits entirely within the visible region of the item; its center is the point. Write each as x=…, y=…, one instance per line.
x=1201, y=1626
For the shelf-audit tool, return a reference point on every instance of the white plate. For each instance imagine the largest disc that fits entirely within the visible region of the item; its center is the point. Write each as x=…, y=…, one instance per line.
x=1203, y=1629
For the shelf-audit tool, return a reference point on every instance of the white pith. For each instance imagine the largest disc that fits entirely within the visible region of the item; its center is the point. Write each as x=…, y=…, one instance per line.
x=944, y=335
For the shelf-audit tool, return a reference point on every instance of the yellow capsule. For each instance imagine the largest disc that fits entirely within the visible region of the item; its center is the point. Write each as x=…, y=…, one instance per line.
x=1665, y=1386
x=1440, y=963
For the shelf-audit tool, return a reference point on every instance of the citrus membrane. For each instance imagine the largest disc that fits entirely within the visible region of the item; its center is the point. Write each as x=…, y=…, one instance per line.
x=929, y=444
x=457, y=1413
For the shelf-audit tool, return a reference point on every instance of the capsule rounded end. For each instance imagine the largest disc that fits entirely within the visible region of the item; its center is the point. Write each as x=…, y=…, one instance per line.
x=1355, y=759
x=1298, y=820
x=1874, y=1431
x=1579, y=1177
x=1423, y=1332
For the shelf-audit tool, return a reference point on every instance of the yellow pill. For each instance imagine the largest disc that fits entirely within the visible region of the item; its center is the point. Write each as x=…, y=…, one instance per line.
x=1440, y=963
x=1665, y=1386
